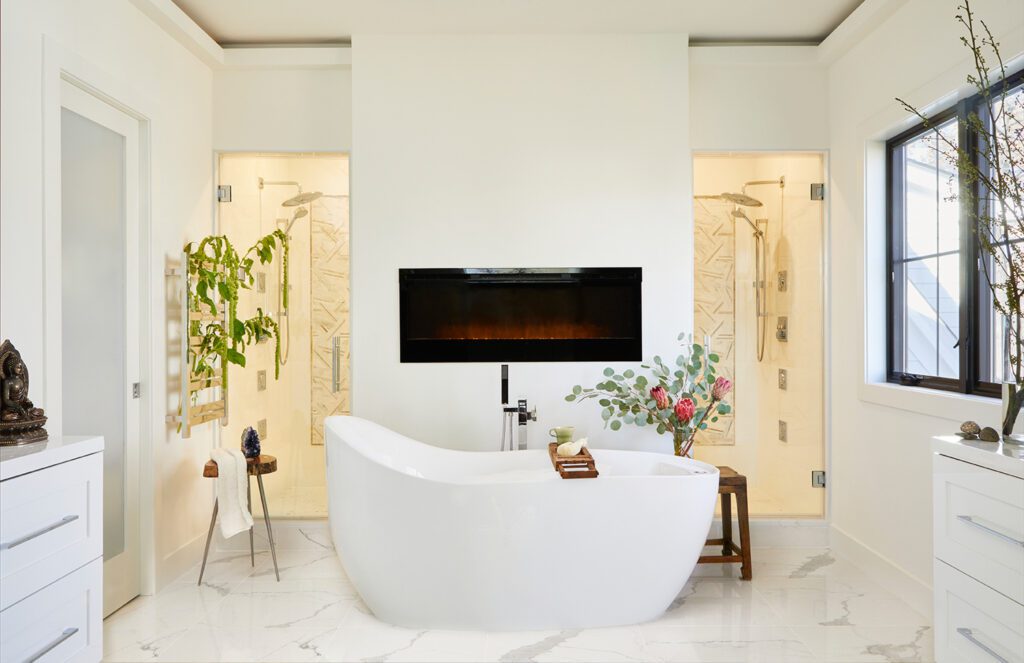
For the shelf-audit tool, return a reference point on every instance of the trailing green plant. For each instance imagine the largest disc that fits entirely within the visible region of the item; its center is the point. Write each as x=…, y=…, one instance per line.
x=679, y=400
x=992, y=184
x=218, y=274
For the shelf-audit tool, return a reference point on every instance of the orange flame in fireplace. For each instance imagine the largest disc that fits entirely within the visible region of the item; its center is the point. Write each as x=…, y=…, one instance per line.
x=532, y=330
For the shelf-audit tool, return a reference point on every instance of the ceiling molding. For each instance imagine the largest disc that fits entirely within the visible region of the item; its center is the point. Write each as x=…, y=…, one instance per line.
x=183, y=29
x=865, y=19
x=288, y=57
x=193, y=38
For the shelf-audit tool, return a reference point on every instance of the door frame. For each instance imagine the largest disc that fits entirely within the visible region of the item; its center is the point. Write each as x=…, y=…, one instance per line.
x=825, y=298
x=61, y=67
x=122, y=572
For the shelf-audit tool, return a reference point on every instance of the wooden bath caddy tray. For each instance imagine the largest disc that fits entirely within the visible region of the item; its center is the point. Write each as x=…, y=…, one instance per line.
x=580, y=466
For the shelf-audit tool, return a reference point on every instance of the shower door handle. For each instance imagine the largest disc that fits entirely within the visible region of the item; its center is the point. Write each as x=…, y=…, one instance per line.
x=335, y=364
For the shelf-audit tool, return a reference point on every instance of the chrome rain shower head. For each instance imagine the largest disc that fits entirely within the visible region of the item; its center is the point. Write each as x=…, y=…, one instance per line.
x=302, y=199
x=741, y=199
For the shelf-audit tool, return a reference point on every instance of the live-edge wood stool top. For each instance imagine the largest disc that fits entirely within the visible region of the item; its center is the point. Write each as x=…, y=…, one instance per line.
x=264, y=464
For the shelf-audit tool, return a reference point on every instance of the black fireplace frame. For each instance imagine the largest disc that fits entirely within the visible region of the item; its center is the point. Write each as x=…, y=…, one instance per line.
x=628, y=348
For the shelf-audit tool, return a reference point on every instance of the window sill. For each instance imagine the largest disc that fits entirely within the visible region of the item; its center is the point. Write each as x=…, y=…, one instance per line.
x=932, y=402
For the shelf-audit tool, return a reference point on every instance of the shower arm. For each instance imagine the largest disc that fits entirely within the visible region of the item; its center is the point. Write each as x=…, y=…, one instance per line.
x=781, y=181
x=263, y=182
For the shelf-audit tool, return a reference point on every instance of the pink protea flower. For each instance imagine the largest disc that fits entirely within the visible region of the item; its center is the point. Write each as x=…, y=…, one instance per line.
x=721, y=388
x=660, y=397
x=685, y=409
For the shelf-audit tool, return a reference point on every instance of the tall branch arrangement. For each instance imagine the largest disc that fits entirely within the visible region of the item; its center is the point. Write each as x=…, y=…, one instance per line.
x=216, y=270
x=676, y=400
x=992, y=184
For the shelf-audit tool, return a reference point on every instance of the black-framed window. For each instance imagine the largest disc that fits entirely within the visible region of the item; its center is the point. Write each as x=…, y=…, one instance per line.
x=942, y=331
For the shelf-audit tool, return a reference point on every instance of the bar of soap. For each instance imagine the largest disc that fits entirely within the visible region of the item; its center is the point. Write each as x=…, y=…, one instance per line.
x=571, y=448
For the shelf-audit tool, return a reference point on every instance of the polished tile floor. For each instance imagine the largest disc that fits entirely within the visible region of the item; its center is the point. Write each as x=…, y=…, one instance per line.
x=804, y=604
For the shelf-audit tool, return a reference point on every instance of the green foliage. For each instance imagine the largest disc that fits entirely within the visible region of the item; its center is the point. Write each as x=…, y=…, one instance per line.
x=217, y=276
x=626, y=398
x=991, y=180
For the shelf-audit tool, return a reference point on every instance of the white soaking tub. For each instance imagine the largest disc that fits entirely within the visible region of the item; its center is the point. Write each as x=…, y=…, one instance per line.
x=436, y=538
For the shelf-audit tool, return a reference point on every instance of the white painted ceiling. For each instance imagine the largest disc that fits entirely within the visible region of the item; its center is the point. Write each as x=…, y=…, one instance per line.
x=335, y=21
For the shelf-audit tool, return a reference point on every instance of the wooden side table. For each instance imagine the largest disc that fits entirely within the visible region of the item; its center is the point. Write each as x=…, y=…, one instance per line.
x=731, y=482
x=257, y=467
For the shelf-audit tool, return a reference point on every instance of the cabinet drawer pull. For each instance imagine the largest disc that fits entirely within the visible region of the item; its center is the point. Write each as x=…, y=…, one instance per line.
x=67, y=633
x=28, y=537
x=969, y=634
x=1005, y=537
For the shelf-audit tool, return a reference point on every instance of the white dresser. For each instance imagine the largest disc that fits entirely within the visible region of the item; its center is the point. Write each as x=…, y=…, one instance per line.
x=978, y=490
x=51, y=551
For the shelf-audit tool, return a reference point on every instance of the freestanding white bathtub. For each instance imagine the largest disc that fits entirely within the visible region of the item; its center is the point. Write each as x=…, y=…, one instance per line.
x=436, y=538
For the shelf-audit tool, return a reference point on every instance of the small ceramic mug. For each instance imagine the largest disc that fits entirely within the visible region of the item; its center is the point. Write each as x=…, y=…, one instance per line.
x=562, y=434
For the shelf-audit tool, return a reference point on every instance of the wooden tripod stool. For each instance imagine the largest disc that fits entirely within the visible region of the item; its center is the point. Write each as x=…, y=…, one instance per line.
x=257, y=467
x=732, y=483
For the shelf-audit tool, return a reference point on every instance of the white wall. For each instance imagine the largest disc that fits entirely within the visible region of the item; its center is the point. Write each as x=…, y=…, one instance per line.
x=748, y=98
x=502, y=151
x=880, y=434
x=294, y=109
x=172, y=88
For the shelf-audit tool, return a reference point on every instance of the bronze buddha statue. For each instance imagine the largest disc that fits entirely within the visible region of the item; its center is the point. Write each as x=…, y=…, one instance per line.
x=20, y=421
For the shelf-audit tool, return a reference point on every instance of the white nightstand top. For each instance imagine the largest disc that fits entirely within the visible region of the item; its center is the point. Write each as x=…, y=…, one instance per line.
x=25, y=458
x=998, y=456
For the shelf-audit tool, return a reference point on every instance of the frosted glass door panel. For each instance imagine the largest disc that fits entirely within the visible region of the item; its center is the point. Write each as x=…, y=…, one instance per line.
x=93, y=303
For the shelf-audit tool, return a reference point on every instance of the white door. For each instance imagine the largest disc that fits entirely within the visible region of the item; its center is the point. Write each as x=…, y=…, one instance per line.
x=99, y=169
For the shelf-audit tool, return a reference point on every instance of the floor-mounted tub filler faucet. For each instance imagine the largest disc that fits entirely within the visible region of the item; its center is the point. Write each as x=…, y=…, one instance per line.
x=512, y=415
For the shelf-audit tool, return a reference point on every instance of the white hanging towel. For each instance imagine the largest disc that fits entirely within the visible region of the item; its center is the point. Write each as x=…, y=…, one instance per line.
x=232, y=484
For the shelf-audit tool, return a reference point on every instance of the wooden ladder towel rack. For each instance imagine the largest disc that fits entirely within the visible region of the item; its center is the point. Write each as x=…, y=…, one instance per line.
x=207, y=391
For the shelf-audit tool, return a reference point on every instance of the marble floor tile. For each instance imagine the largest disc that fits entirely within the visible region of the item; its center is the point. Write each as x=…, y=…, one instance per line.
x=804, y=604
x=887, y=644
x=737, y=643
x=831, y=601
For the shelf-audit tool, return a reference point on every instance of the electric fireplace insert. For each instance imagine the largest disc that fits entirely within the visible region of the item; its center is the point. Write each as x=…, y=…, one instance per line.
x=508, y=315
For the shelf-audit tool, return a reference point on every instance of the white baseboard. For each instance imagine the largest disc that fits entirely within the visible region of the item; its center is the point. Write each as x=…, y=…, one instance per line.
x=916, y=592
x=779, y=533
x=174, y=565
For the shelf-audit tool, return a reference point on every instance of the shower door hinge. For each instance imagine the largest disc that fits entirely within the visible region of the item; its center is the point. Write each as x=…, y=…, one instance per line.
x=818, y=478
x=224, y=193
x=818, y=191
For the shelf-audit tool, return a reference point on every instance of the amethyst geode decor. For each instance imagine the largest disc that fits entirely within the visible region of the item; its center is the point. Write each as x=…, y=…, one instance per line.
x=250, y=443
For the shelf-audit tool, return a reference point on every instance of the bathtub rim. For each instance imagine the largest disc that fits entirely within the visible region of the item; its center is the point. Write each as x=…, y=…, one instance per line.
x=703, y=468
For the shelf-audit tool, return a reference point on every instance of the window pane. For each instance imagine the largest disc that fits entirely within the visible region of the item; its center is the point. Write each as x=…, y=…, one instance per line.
x=996, y=348
x=920, y=318
x=948, y=331
x=920, y=196
x=949, y=189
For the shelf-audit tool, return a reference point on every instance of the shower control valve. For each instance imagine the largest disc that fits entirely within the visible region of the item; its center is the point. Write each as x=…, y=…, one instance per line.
x=782, y=329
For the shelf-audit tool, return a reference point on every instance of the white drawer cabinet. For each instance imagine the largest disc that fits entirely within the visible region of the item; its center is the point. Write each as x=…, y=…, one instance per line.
x=978, y=491
x=49, y=525
x=974, y=622
x=51, y=551
x=61, y=622
x=979, y=524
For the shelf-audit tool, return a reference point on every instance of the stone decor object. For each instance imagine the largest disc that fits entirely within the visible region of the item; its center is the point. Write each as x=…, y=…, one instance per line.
x=20, y=421
x=969, y=430
x=988, y=434
x=250, y=443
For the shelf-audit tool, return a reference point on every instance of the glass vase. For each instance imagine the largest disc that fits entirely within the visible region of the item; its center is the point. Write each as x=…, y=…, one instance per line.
x=1010, y=412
